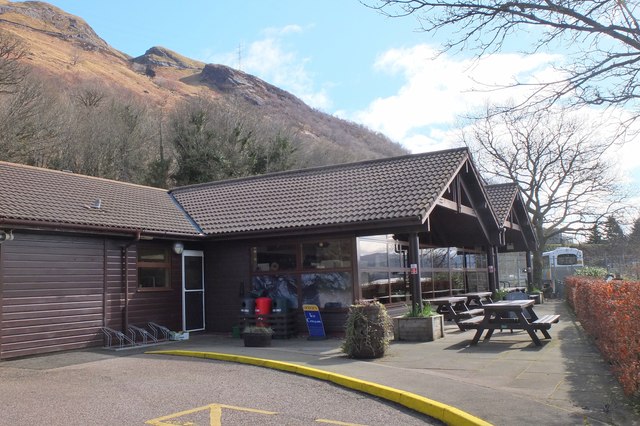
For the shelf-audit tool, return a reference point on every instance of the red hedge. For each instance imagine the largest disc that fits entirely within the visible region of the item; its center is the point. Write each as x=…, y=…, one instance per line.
x=610, y=313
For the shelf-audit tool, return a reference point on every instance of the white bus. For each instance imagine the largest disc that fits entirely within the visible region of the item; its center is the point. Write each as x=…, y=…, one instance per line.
x=559, y=264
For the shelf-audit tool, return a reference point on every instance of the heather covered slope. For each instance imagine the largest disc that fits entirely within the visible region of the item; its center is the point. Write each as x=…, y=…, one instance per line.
x=63, y=51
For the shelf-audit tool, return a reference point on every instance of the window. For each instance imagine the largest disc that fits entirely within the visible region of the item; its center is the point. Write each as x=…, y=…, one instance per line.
x=329, y=254
x=154, y=265
x=567, y=259
x=274, y=258
x=384, y=268
x=309, y=272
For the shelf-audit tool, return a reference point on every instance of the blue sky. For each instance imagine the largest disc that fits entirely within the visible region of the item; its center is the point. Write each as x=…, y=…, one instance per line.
x=337, y=55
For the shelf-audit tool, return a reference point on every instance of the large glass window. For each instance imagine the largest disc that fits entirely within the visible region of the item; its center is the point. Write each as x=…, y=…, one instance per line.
x=327, y=290
x=372, y=252
x=450, y=270
x=309, y=272
x=374, y=284
x=326, y=254
x=154, y=265
x=383, y=266
x=277, y=286
x=274, y=258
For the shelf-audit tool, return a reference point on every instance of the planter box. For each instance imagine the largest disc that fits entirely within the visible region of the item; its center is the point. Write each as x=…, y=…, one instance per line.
x=417, y=329
x=537, y=297
x=257, y=340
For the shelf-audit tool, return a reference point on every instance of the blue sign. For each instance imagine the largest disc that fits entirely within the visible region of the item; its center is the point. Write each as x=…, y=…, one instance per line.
x=314, y=322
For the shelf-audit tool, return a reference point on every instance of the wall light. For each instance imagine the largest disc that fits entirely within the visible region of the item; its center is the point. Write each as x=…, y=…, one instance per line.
x=6, y=236
x=178, y=247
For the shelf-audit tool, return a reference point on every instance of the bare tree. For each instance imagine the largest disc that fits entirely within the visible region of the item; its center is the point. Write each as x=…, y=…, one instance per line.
x=12, y=73
x=29, y=123
x=558, y=161
x=89, y=95
x=601, y=38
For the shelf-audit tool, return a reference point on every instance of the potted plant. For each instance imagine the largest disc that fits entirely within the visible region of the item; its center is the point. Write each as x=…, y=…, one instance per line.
x=257, y=336
x=500, y=294
x=419, y=326
x=537, y=295
x=368, y=330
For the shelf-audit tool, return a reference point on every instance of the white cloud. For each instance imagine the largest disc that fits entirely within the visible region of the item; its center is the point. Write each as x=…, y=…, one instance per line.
x=271, y=60
x=282, y=31
x=438, y=89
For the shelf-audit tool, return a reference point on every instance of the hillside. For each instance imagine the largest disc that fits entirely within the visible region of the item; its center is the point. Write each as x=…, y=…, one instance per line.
x=65, y=49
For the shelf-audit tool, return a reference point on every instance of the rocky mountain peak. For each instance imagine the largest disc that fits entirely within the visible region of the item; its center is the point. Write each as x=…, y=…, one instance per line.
x=225, y=79
x=162, y=57
x=43, y=17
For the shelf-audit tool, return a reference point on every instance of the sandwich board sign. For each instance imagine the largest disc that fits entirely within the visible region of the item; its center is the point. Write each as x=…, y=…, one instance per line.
x=314, y=322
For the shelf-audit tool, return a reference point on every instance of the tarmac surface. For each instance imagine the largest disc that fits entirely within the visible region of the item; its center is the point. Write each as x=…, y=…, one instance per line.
x=505, y=381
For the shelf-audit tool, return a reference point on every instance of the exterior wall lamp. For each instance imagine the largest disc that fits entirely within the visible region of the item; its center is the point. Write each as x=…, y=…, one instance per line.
x=178, y=247
x=6, y=236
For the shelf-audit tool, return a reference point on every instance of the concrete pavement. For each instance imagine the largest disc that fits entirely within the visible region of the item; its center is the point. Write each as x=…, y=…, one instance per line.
x=505, y=381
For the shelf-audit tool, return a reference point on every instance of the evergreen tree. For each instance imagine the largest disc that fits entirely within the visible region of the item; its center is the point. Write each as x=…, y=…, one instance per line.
x=595, y=236
x=616, y=245
x=613, y=233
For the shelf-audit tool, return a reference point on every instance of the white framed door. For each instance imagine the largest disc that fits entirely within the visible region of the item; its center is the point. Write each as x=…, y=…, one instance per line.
x=193, y=290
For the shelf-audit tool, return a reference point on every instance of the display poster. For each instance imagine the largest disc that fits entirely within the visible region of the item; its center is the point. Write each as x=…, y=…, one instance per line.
x=314, y=322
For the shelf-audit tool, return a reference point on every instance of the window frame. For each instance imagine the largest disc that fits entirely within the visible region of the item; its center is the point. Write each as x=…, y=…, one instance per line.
x=166, y=265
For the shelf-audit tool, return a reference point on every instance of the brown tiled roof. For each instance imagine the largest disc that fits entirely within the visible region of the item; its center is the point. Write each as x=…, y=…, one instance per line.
x=501, y=197
x=400, y=188
x=50, y=197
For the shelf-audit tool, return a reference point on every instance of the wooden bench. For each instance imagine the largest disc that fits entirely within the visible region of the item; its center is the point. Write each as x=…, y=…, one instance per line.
x=543, y=324
x=546, y=321
x=471, y=312
x=470, y=323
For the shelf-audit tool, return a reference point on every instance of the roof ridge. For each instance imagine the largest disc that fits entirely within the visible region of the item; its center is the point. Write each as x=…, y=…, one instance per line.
x=502, y=184
x=83, y=176
x=313, y=169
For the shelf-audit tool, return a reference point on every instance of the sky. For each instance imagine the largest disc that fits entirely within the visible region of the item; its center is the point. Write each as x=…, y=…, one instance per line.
x=336, y=55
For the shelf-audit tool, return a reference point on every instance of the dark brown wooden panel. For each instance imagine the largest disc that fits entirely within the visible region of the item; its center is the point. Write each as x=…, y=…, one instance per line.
x=18, y=323
x=52, y=296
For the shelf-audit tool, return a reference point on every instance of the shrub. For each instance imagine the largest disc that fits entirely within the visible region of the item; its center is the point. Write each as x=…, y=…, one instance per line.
x=368, y=330
x=500, y=294
x=427, y=311
x=609, y=312
x=591, y=271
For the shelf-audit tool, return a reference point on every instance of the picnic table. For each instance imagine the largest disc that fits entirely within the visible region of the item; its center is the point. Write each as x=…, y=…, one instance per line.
x=510, y=314
x=454, y=308
x=478, y=298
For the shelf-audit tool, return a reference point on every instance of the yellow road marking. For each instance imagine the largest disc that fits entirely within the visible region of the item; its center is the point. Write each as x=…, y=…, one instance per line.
x=335, y=422
x=215, y=414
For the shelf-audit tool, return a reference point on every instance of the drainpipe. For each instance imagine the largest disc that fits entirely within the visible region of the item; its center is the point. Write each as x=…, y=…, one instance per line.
x=125, y=275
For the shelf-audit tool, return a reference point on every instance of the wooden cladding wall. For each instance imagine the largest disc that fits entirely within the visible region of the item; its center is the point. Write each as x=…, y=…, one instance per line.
x=52, y=294
x=160, y=306
x=226, y=269
x=57, y=291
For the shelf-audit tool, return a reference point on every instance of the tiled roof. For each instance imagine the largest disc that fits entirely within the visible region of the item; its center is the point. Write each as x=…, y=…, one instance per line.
x=501, y=197
x=399, y=188
x=51, y=197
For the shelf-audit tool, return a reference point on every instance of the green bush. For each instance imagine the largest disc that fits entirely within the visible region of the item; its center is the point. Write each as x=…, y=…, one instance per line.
x=591, y=271
x=500, y=294
x=427, y=311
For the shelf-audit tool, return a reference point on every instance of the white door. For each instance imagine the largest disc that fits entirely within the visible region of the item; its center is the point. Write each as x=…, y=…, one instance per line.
x=193, y=290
